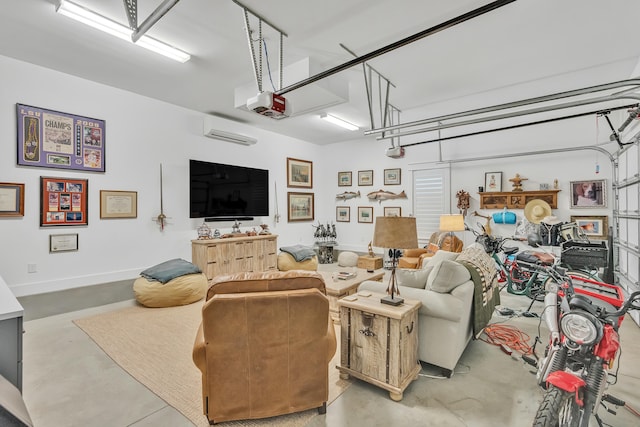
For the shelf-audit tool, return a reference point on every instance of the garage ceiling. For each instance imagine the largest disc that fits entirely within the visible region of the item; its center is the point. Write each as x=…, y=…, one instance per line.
x=566, y=44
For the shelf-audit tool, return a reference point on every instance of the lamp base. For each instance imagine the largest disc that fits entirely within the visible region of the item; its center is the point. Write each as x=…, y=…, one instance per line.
x=395, y=300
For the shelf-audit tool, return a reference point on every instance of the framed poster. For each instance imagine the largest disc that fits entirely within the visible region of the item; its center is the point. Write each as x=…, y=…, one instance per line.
x=365, y=177
x=492, y=181
x=299, y=173
x=595, y=227
x=344, y=179
x=63, y=242
x=63, y=201
x=589, y=194
x=300, y=207
x=343, y=213
x=365, y=214
x=52, y=139
x=11, y=199
x=392, y=176
x=393, y=211
x=118, y=204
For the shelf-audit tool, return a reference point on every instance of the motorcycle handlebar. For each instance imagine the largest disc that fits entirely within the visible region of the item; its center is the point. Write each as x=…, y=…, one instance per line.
x=626, y=306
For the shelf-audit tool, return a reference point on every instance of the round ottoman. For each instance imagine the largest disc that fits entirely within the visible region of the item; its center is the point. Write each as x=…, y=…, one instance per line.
x=348, y=259
x=179, y=291
x=287, y=262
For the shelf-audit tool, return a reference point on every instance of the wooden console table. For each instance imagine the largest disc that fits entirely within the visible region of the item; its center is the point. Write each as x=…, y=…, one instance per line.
x=517, y=199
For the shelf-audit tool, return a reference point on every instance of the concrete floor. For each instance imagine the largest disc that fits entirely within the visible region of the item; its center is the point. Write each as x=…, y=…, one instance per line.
x=68, y=382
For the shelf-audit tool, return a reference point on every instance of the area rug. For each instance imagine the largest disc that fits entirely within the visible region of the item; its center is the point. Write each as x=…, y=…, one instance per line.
x=154, y=346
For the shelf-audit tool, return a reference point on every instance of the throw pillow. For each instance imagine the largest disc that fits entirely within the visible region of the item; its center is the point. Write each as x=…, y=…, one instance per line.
x=412, y=278
x=440, y=256
x=446, y=276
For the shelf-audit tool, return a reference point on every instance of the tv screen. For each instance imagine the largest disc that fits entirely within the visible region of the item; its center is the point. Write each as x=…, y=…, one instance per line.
x=219, y=190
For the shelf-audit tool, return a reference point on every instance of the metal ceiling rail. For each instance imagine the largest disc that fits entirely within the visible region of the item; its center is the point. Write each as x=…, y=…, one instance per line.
x=561, y=95
x=131, y=9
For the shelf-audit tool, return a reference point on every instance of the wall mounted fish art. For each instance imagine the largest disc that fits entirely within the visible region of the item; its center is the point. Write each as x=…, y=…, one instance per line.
x=347, y=195
x=381, y=195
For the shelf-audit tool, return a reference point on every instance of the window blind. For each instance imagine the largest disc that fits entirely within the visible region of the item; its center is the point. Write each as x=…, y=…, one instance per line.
x=430, y=200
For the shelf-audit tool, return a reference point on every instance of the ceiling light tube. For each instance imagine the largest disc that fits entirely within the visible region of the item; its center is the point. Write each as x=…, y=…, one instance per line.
x=92, y=19
x=339, y=122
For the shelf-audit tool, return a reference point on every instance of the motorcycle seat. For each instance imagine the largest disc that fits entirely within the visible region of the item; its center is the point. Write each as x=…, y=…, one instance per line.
x=510, y=250
x=533, y=257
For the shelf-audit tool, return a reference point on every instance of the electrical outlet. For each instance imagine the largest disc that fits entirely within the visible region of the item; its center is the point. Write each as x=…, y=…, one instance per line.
x=32, y=268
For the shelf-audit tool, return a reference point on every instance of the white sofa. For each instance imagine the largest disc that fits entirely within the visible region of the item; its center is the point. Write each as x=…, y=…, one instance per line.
x=446, y=290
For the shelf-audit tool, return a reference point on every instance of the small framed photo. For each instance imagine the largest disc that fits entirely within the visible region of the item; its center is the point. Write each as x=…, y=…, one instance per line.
x=343, y=213
x=392, y=176
x=589, y=194
x=300, y=207
x=11, y=199
x=595, y=227
x=365, y=177
x=492, y=181
x=63, y=242
x=344, y=179
x=299, y=173
x=118, y=204
x=365, y=214
x=392, y=211
x=63, y=201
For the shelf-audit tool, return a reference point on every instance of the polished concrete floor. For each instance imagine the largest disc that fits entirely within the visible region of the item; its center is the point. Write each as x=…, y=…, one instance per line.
x=70, y=382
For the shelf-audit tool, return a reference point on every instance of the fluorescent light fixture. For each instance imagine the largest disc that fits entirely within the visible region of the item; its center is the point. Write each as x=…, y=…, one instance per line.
x=92, y=19
x=339, y=122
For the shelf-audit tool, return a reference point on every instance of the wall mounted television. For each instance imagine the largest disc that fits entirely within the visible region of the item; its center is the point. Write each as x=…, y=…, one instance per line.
x=222, y=192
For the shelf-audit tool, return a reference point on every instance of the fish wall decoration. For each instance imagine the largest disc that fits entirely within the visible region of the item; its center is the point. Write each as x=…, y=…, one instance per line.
x=347, y=195
x=381, y=195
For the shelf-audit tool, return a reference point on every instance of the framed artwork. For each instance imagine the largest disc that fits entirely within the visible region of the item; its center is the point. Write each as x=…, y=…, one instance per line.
x=344, y=179
x=392, y=176
x=63, y=242
x=343, y=213
x=300, y=206
x=492, y=181
x=393, y=211
x=11, y=199
x=52, y=139
x=63, y=201
x=365, y=214
x=589, y=194
x=118, y=204
x=365, y=177
x=299, y=173
x=595, y=227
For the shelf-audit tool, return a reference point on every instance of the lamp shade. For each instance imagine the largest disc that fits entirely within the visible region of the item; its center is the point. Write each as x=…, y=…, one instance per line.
x=395, y=232
x=451, y=223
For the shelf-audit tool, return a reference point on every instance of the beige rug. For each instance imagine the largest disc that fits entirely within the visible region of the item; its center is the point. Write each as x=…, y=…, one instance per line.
x=154, y=346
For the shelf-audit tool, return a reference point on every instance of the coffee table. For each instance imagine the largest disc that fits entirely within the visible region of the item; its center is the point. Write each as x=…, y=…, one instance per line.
x=340, y=288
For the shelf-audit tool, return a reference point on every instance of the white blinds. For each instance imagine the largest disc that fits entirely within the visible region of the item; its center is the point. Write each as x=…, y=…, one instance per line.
x=431, y=198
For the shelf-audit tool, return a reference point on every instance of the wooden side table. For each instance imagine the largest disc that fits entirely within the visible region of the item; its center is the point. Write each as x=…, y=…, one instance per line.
x=379, y=342
x=340, y=288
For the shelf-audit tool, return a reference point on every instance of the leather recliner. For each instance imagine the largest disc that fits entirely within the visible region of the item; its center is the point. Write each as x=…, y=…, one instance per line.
x=264, y=345
x=414, y=257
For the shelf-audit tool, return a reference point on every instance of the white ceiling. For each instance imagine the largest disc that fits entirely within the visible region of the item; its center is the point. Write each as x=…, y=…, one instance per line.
x=569, y=44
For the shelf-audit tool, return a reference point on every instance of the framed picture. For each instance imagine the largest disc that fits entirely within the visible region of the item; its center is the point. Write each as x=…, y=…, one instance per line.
x=492, y=181
x=11, y=199
x=393, y=211
x=63, y=242
x=63, y=201
x=365, y=214
x=118, y=204
x=392, y=176
x=300, y=206
x=344, y=179
x=365, y=177
x=343, y=213
x=299, y=173
x=52, y=139
x=595, y=227
x=589, y=194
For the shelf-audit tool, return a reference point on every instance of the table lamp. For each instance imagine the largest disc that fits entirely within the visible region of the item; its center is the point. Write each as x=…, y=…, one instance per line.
x=395, y=233
x=451, y=223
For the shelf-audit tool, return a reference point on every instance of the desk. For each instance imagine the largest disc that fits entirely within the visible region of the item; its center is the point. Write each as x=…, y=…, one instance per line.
x=11, y=313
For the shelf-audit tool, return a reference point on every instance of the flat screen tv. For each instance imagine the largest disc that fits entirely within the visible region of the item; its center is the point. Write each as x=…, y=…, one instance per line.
x=225, y=192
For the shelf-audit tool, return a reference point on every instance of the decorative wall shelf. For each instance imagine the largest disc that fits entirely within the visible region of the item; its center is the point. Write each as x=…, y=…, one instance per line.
x=516, y=199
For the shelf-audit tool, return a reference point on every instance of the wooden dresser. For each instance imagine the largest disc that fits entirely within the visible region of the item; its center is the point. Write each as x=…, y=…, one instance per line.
x=235, y=254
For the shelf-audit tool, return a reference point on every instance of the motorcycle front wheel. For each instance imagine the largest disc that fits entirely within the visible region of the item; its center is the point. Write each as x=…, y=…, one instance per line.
x=558, y=409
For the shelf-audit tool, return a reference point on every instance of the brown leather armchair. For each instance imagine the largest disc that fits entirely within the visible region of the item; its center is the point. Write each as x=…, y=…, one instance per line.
x=414, y=257
x=264, y=345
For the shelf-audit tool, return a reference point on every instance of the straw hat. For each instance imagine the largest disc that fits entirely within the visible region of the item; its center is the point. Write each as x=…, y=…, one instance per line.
x=536, y=210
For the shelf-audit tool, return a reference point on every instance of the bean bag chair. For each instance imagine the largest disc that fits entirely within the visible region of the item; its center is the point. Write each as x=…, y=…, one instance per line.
x=182, y=290
x=287, y=262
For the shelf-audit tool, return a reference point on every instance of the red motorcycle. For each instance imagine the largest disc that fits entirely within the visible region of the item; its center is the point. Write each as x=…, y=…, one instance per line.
x=583, y=321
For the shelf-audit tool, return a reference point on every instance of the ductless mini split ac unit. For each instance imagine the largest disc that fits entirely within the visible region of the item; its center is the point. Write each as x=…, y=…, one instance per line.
x=227, y=136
